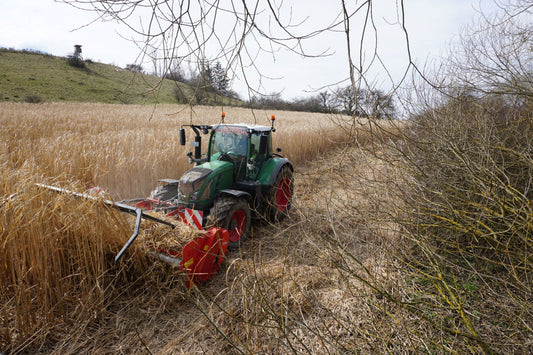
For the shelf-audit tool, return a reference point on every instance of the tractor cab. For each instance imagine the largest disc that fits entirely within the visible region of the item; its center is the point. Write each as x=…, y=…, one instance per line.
x=245, y=146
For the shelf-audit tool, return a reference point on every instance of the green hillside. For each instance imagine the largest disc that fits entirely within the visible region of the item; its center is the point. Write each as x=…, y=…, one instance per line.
x=31, y=76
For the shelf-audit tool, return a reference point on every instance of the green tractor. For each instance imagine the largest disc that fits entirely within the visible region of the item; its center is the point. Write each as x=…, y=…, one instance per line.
x=239, y=178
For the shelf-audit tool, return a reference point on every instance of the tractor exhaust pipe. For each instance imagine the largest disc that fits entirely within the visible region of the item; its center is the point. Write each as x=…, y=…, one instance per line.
x=198, y=147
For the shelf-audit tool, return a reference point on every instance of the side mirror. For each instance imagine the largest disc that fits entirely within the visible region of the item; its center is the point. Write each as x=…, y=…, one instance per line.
x=182, y=136
x=263, y=140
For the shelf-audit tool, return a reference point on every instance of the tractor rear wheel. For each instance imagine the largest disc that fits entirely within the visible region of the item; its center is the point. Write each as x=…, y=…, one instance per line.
x=235, y=216
x=281, y=195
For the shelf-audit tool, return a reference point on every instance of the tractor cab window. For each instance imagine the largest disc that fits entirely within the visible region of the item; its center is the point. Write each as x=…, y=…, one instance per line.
x=228, y=140
x=255, y=142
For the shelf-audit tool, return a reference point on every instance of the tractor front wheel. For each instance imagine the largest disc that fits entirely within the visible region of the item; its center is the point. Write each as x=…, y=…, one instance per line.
x=233, y=215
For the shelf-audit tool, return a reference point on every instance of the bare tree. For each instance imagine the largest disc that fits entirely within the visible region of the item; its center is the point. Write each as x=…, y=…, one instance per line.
x=495, y=57
x=379, y=105
x=372, y=103
x=324, y=98
x=136, y=68
x=468, y=189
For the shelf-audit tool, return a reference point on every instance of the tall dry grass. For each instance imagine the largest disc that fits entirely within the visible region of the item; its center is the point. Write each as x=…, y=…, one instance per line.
x=375, y=258
x=56, y=257
x=126, y=149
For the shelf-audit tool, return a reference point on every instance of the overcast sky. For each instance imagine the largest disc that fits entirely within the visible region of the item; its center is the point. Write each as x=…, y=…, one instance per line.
x=55, y=28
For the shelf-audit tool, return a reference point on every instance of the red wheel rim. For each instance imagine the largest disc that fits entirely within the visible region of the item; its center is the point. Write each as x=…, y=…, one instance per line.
x=237, y=224
x=283, y=194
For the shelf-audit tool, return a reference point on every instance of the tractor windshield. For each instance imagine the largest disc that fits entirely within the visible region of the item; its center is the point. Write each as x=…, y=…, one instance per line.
x=231, y=140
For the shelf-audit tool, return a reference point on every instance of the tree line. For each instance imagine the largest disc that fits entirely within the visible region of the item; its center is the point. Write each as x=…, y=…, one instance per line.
x=211, y=80
x=370, y=103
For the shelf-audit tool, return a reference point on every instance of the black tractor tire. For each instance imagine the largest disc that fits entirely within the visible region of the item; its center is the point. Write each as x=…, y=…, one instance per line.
x=234, y=215
x=280, y=199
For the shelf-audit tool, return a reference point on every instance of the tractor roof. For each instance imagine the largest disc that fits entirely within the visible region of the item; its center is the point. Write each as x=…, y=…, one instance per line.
x=254, y=127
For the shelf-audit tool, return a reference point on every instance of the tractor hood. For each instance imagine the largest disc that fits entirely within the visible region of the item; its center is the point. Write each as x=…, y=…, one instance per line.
x=197, y=184
x=193, y=180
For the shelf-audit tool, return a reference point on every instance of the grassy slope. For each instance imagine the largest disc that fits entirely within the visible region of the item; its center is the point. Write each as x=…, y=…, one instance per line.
x=50, y=78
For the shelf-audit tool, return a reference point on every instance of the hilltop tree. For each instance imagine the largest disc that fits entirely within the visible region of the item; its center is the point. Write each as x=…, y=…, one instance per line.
x=202, y=83
x=219, y=79
x=210, y=80
x=176, y=73
x=77, y=51
x=206, y=74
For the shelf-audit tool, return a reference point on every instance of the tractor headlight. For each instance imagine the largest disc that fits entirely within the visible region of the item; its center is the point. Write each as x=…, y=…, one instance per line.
x=194, y=196
x=205, y=195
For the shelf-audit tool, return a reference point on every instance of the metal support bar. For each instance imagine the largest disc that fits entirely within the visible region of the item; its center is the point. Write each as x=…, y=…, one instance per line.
x=134, y=235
